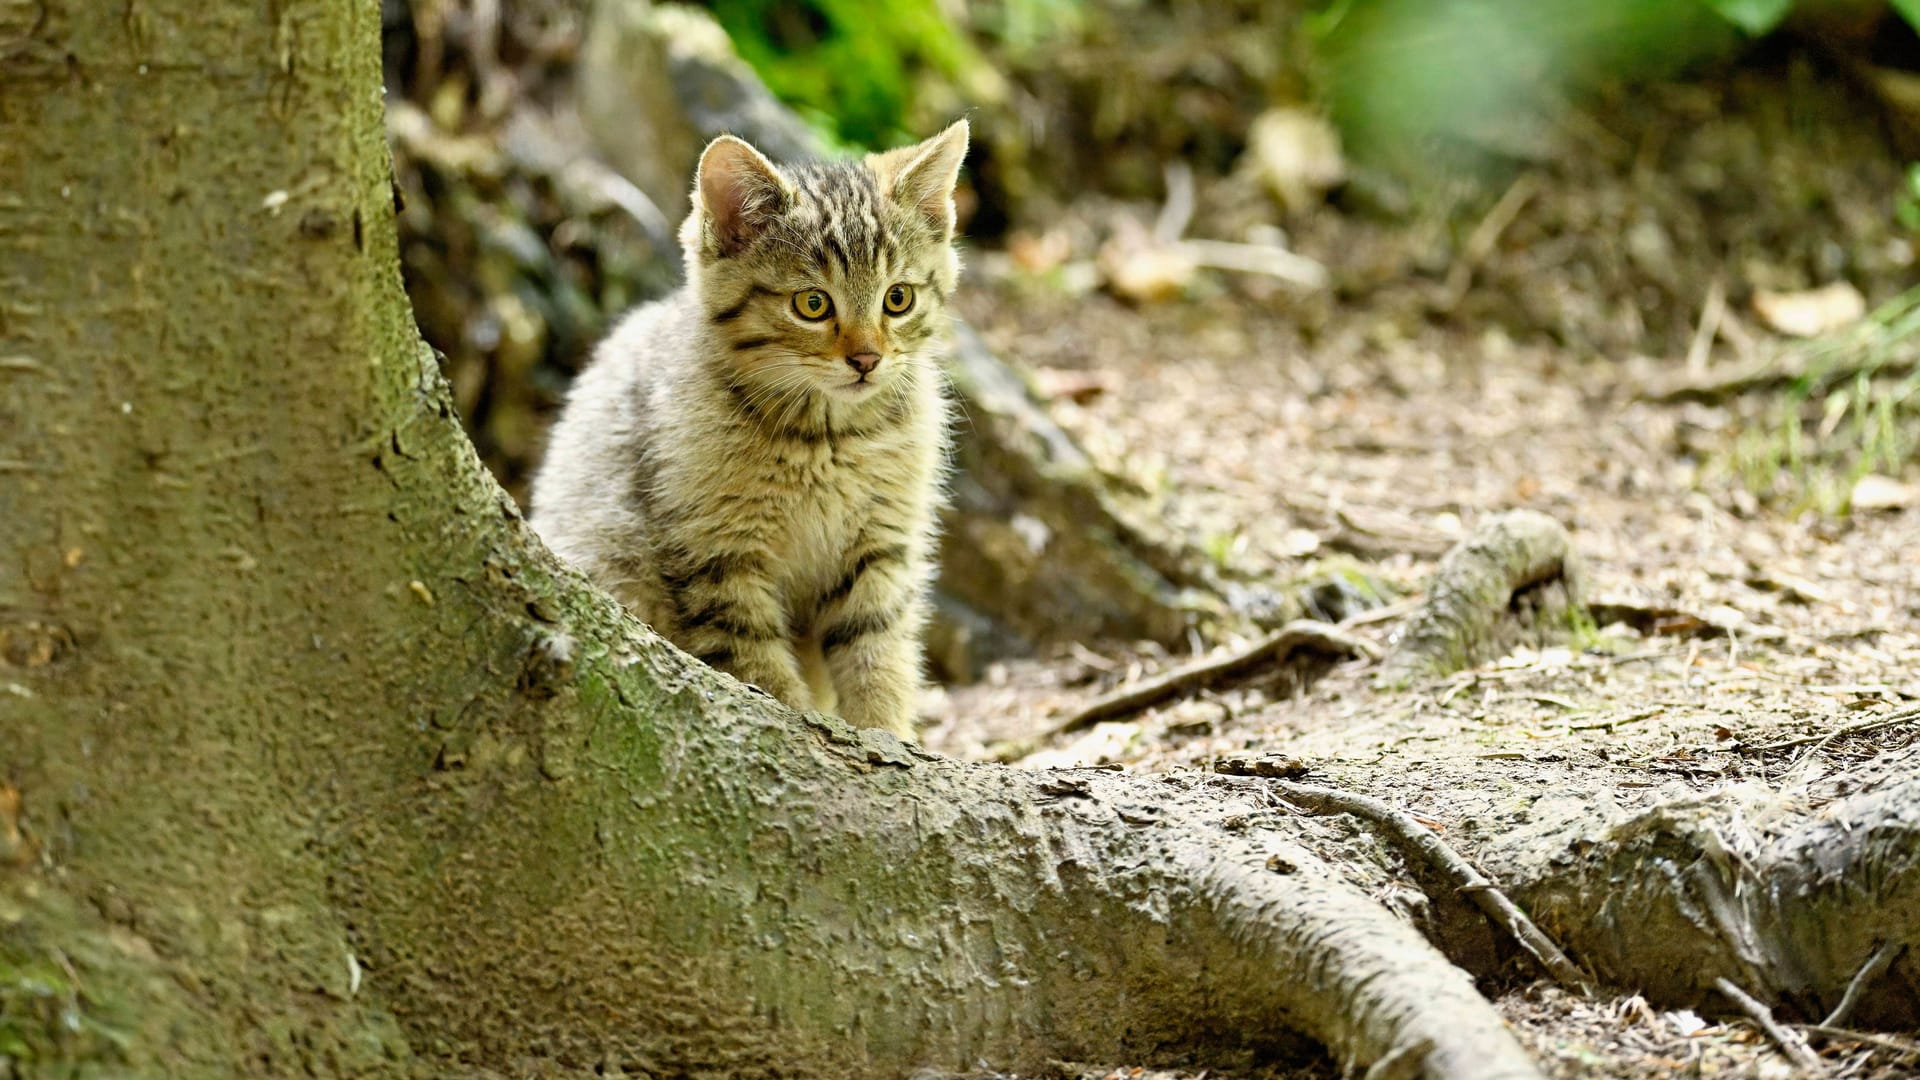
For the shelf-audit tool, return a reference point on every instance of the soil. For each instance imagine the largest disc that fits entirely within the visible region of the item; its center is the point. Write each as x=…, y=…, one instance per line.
x=1366, y=447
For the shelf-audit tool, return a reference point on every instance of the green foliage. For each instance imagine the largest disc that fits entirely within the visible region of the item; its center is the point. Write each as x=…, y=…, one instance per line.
x=1432, y=90
x=1906, y=206
x=1022, y=26
x=853, y=68
x=1851, y=412
x=1756, y=17
x=874, y=73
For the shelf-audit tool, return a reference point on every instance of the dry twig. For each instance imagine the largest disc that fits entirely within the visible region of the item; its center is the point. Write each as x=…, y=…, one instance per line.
x=1789, y=1041
x=1412, y=836
x=1299, y=634
x=1480, y=243
x=1876, y=965
x=1871, y=1038
x=1274, y=262
x=1711, y=313
x=1902, y=717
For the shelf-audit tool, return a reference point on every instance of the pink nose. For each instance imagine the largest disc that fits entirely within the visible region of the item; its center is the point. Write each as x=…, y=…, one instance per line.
x=864, y=362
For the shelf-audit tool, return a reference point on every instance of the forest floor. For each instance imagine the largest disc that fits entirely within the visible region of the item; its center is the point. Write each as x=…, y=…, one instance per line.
x=1743, y=640
x=1739, y=625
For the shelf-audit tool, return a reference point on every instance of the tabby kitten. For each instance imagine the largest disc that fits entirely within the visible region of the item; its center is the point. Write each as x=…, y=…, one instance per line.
x=753, y=464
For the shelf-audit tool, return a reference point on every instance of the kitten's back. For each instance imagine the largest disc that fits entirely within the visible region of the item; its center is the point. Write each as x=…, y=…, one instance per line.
x=597, y=450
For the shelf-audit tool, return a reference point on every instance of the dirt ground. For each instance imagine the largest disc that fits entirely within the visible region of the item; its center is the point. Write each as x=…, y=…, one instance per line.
x=1743, y=623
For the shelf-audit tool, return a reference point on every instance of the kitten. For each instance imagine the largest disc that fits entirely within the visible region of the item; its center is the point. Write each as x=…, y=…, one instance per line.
x=753, y=464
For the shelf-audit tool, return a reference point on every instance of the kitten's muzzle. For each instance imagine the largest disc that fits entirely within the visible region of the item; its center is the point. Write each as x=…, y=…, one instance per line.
x=863, y=362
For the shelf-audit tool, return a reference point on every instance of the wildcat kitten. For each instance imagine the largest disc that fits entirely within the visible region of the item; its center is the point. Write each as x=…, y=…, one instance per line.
x=752, y=465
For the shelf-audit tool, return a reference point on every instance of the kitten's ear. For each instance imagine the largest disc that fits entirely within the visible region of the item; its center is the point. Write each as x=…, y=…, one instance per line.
x=922, y=177
x=739, y=192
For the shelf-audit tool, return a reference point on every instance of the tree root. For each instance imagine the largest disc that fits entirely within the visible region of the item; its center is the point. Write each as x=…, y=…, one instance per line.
x=1421, y=842
x=1904, y=716
x=1687, y=893
x=1517, y=563
x=877, y=908
x=1301, y=634
x=1869, y=973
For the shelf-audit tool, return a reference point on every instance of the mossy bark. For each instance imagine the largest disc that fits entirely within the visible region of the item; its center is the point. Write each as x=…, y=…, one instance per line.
x=313, y=732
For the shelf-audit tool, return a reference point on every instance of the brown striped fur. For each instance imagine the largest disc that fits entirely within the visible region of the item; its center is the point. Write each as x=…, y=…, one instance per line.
x=720, y=466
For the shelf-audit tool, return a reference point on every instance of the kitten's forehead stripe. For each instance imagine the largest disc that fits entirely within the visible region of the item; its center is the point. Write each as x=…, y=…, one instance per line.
x=840, y=220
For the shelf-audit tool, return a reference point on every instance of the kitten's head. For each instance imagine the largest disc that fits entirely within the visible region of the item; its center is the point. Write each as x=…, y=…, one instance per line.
x=826, y=279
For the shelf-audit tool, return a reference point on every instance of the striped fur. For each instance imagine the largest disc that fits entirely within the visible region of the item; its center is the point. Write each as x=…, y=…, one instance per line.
x=724, y=467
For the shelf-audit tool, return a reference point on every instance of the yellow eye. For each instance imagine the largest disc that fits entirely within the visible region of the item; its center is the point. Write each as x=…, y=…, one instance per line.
x=899, y=300
x=812, y=304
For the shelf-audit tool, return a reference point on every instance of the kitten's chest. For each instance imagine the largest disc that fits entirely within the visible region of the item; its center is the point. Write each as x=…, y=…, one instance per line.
x=829, y=498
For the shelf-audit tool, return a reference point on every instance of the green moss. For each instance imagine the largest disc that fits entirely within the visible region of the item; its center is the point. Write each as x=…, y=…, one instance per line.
x=52, y=1021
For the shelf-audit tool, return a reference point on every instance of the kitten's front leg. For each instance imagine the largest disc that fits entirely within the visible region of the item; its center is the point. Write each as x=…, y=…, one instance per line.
x=728, y=613
x=871, y=624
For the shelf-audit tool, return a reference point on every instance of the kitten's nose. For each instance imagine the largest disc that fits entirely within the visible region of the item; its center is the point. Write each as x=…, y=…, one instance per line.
x=864, y=362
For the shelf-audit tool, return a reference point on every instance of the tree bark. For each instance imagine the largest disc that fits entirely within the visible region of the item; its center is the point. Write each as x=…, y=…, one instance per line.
x=1685, y=893
x=325, y=765
x=1516, y=576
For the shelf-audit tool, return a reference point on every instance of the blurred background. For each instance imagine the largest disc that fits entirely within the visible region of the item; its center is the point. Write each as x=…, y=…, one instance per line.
x=1267, y=297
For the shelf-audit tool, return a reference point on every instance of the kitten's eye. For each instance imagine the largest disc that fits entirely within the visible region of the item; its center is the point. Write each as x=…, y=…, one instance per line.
x=899, y=300
x=812, y=304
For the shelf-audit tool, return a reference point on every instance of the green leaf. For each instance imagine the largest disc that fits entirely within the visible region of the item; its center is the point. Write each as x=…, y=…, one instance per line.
x=1757, y=17
x=1909, y=10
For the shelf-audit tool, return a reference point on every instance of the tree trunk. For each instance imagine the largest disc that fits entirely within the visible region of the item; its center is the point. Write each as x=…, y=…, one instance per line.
x=326, y=766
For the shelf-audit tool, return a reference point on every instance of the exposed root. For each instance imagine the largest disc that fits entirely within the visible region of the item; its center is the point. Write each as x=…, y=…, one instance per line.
x=1301, y=634
x=1725, y=886
x=1418, y=840
x=1905, y=716
x=1514, y=564
x=1381, y=998
x=951, y=914
x=1876, y=966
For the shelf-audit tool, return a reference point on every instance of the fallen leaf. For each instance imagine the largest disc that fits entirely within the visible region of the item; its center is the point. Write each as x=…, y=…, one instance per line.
x=1295, y=153
x=14, y=848
x=1146, y=275
x=1079, y=387
x=1686, y=1023
x=1812, y=312
x=1037, y=254
x=1876, y=492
